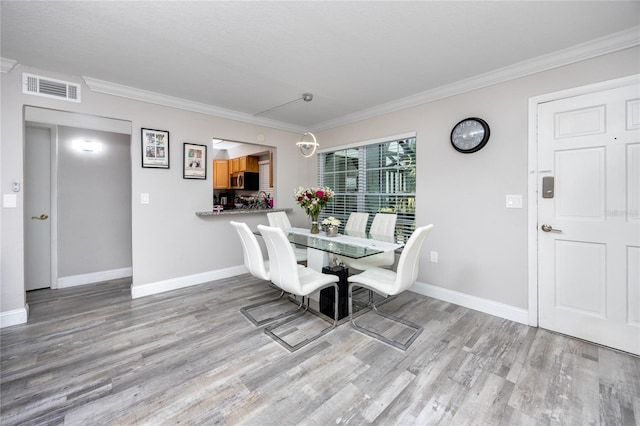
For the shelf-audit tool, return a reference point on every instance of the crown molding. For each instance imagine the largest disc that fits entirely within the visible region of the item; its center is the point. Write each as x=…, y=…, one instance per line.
x=580, y=52
x=128, y=92
x=6, y=65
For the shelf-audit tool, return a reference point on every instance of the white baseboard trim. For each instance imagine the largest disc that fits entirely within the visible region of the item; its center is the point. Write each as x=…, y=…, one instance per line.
x=94, y=277
x=15, y=317
x=487, y=306
x=186, y=281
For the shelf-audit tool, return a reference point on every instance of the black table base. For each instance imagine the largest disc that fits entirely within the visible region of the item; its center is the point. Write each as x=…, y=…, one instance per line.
x=327, y=295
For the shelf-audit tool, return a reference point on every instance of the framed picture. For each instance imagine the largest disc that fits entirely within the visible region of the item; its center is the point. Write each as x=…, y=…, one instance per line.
x=194, y=161
x=155, y=148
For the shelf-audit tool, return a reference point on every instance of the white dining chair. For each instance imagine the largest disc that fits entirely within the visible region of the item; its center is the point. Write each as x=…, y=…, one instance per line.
x=301, y=281
x=390, y=283
x=259, y=268
x=357, y=223
x=281, y=220
x=382, y=228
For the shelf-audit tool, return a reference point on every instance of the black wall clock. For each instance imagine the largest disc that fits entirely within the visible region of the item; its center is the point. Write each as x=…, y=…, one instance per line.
x=470, y=135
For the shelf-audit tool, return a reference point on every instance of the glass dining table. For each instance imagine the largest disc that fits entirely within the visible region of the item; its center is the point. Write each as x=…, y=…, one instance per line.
x=355, y=245
x=323, y=255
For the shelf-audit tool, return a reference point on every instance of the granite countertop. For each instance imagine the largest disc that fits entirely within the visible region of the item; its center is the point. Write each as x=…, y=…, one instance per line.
x=240, y=211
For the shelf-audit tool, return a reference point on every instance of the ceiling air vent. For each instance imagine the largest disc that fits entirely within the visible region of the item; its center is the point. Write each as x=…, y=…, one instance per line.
x=50, y=88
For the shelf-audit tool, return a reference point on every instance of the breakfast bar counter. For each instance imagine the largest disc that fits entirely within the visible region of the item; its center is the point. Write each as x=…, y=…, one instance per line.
x=233, y=212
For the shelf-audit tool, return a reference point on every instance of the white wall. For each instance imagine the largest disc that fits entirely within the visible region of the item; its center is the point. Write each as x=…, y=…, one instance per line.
x=171, y=246
x=94, y=203
x=482, y=245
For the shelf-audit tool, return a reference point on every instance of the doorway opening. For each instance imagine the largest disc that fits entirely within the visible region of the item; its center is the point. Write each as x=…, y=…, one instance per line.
x=77, y=193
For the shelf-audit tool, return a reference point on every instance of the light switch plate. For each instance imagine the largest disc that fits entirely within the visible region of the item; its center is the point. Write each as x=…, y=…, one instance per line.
x=9, y=201
x=144, y=198
x=514, y=201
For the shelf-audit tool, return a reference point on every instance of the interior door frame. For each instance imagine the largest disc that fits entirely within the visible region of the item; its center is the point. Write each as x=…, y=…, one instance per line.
x=533, y=172
x=53, y=118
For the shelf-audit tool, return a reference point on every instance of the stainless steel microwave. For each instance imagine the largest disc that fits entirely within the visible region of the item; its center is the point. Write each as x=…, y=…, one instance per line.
x=244, y=180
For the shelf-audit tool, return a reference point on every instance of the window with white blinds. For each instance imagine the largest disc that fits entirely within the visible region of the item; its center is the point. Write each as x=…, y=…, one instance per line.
x=376, y=178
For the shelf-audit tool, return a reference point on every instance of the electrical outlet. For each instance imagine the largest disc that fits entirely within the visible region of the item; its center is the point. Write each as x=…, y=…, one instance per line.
x=434, y=256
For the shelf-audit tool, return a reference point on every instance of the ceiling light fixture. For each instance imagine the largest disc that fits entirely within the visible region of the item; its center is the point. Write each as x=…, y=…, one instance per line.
x=216, y=141
x=307, y=97
x=308, y=144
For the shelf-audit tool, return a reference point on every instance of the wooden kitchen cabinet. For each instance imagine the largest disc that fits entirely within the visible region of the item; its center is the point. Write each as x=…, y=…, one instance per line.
x=248, y=163
x=251, y=164
x=221, y=174
x=234, y=165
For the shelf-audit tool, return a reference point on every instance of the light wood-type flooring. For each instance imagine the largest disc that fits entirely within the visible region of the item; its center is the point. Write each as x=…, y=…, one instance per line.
x=91, y=355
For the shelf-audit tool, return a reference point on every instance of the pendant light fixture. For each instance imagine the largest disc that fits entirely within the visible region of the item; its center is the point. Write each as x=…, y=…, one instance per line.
x=308, y=143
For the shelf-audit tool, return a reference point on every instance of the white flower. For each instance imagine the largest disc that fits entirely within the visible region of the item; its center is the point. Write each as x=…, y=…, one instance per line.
x=331, y=221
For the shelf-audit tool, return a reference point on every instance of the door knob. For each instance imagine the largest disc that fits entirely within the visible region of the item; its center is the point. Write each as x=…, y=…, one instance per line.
x=549, y=228
x=41, y=217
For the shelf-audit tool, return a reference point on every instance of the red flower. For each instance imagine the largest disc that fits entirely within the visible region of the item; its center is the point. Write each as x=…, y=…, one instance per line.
x=299, y=198
x=319, y=193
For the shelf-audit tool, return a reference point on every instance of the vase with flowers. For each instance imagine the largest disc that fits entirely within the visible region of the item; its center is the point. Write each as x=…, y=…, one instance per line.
x=312, y=201
x=330, y=226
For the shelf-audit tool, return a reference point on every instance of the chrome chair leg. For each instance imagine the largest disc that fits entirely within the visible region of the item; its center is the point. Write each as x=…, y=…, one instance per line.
x=245, y=310
x=399, y=345
x=292, y=348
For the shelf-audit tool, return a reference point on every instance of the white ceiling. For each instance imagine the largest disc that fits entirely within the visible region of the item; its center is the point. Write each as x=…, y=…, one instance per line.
x=247, y=57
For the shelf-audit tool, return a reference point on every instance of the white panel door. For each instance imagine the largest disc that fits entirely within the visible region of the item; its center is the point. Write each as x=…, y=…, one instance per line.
x=589, y=231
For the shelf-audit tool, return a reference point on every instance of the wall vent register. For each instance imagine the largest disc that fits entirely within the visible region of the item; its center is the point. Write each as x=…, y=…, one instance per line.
x=50, y=88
